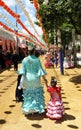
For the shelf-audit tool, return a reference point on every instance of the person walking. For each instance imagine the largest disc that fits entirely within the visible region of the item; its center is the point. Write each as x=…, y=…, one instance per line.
x=8, y=59
x=15, y=59
x=55, y=108
x=33, y=93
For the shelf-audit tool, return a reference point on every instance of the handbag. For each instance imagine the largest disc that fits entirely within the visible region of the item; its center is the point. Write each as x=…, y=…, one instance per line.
x=19, y=92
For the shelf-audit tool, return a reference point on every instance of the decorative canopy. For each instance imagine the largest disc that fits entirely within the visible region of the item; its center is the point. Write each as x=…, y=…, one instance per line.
x=29, y=36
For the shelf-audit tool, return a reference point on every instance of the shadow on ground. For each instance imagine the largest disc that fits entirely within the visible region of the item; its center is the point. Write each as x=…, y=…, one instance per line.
x=76, y=79
x=65, y=118
x=36, y=116
x=42, y=116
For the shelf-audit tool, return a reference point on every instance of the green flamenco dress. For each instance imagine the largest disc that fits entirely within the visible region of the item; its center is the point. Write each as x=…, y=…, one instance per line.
x=33, y=94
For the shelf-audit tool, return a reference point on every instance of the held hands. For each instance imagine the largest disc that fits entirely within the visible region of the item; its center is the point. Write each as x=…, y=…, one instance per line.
x=46, y=82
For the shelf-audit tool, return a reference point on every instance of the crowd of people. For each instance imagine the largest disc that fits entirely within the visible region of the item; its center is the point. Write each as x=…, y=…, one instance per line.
x=9, y=58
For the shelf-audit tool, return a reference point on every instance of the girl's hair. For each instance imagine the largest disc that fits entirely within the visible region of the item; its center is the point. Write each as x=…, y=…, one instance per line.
x=53, y=81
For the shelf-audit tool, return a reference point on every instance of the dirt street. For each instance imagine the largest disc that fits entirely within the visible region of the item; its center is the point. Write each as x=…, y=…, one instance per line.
x=11, y=116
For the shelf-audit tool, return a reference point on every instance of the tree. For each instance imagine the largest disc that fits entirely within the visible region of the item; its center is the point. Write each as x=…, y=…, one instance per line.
x=58, y=13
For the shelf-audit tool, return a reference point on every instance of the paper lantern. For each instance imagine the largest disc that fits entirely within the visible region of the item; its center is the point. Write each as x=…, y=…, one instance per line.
x=1, y=3
x=36, y=4
x=17, y=16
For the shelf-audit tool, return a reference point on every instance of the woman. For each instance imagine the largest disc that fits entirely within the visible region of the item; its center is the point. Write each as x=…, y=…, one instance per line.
x=48, y=62
x=8, y=60
x=33, y=94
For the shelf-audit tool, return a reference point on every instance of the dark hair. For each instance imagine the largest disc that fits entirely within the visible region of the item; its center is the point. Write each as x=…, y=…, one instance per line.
x=37, y=54
x=53, y=81
x=32, y=51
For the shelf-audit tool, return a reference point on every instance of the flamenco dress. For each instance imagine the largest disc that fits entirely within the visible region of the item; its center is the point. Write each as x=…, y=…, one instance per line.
x=55, y=108
x=33, y=93
x=48, y=62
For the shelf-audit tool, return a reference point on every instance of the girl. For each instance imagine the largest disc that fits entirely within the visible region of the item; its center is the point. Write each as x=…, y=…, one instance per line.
x=55, y=109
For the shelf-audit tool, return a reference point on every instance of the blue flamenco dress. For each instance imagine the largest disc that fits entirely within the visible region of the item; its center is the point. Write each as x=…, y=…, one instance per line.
x=33, y=93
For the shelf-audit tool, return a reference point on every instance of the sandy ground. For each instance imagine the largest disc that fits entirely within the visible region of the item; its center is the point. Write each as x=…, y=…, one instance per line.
x=11, y=116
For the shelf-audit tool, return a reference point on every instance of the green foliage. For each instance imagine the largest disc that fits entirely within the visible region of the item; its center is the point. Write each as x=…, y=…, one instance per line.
x=60, y=14
x=66, y=37
x=78, y=48
x=40, y=1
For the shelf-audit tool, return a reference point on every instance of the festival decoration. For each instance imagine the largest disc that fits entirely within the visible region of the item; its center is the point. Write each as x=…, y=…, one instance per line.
x=40, y=20
x=27, y=14
x=36, y=4
x=18, y=20
x=6, y=19
x=8, y=9
x=16, y=33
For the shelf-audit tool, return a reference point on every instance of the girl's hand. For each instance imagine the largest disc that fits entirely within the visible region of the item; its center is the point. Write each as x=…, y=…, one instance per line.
x=45, y=80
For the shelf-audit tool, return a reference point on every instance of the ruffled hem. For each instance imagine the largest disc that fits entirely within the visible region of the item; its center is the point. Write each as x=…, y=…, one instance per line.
x=32, y=111
x=55, y=110
x=55, y=116
x=41, y=72
x=33, y=101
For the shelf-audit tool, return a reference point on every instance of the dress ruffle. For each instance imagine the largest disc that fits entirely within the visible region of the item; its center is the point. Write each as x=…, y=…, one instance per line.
x=20, y=71
x=55, y=110
x=41, y=72
x=33, y=94
x=33, y=100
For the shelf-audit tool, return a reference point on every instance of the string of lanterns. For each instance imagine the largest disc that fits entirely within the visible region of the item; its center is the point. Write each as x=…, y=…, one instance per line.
x=18, y=19
x=27, y=14
x=40, y=20
x=10, y=23
x=16, y=33
x=7, y=20
x=20, y=4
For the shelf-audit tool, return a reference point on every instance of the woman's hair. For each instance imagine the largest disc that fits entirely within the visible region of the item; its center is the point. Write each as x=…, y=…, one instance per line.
x=32, y=51
x=37, y=54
